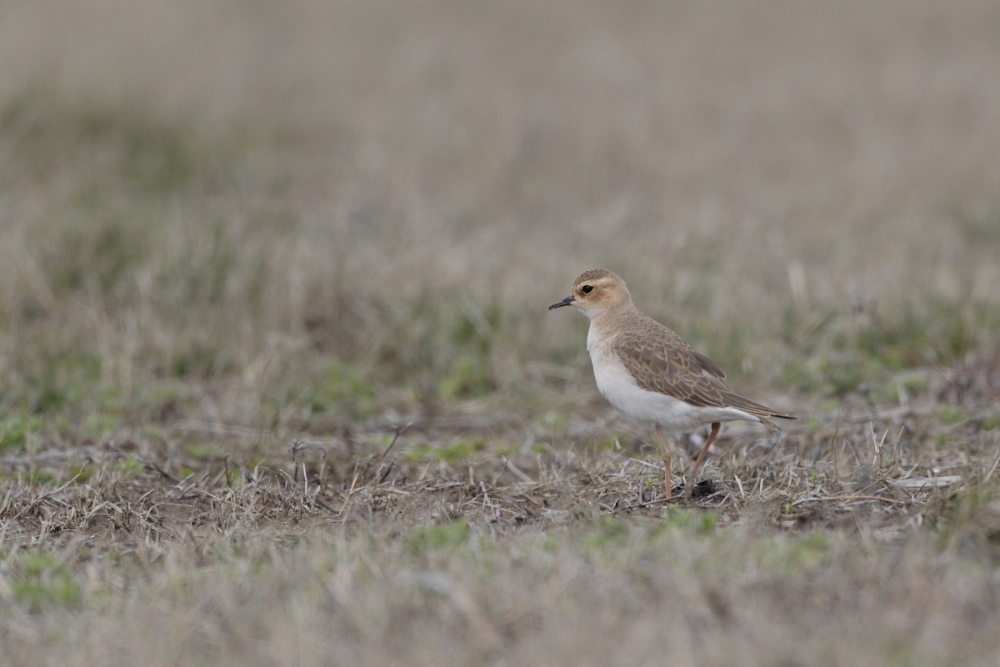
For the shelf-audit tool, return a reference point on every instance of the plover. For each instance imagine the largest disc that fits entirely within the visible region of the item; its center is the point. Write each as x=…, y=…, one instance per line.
x=650, y=374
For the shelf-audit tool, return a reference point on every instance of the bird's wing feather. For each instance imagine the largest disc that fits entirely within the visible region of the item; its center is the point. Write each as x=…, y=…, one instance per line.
x=661, y=361
x=707, y=365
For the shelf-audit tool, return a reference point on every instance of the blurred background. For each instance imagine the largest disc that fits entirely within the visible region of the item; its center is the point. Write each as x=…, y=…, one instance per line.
x=310, y=213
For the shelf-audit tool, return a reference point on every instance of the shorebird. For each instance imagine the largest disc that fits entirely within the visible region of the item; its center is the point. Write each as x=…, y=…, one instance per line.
x=650, y=374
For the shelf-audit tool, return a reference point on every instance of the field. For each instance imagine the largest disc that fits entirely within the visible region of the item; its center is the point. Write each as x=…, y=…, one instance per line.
x=278, y=384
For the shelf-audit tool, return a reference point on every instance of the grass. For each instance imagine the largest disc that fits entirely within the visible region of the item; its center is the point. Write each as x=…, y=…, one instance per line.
x=278, y=385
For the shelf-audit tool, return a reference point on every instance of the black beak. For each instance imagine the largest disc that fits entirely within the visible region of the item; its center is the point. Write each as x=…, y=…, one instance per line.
x=568, y=301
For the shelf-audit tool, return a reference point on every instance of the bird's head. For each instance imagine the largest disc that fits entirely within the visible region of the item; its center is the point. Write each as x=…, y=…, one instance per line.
x=596, y=291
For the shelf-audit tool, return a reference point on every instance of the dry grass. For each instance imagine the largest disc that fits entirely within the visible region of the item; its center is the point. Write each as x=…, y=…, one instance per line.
x=242, y=248
x=385, y=550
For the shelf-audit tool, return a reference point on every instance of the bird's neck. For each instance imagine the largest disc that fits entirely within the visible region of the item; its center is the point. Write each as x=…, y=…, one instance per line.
x=605, y=324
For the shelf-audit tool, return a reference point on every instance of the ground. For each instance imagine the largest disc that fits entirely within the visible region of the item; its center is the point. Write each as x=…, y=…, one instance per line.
x=278, y=384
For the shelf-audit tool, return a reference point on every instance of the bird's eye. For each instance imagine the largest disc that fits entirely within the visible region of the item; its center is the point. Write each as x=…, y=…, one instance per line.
x=587, y=289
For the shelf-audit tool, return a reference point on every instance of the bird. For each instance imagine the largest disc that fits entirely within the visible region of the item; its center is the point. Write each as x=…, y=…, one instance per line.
x=650, y=374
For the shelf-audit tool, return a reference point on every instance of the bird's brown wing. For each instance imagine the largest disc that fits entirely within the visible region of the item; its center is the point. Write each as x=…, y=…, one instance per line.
x=661, y=361
x=707, y=365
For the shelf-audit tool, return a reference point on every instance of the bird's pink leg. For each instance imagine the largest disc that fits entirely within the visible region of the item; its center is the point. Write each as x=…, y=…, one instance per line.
x=689, y=485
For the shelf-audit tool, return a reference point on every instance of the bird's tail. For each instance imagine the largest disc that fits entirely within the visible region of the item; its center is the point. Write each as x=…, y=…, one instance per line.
x=761, y=412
